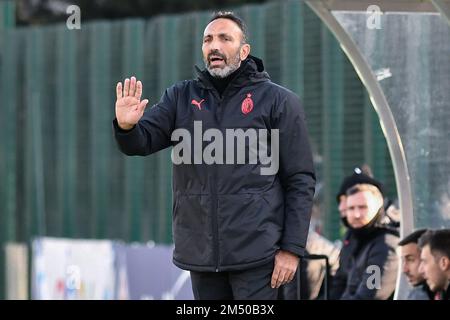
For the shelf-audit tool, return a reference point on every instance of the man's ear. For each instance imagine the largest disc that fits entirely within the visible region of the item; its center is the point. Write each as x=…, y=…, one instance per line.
x=444, y=263
x=244, y=52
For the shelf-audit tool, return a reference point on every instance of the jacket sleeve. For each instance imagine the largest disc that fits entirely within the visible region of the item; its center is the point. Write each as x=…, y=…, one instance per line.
x=296, y=172
x=382, y=262
x=337, y=284
x=153, y=131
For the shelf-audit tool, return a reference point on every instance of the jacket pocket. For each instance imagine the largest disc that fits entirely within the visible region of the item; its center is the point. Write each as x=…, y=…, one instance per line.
x=250, y=228
x=192, y=230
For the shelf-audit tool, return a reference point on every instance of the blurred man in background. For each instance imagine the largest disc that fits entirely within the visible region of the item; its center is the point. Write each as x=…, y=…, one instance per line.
x=435, y=261
x=373, y=262
x=339, y=280
x=410, y=258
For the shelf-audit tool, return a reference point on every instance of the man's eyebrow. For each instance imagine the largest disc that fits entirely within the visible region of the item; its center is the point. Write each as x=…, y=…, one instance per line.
x=220, y=35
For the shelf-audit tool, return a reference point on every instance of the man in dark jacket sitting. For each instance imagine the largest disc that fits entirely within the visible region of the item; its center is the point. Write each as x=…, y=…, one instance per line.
x=339, y=280
x=373, y=261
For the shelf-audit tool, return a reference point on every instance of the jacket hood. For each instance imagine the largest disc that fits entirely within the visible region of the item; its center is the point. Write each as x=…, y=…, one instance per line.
x=253, y=71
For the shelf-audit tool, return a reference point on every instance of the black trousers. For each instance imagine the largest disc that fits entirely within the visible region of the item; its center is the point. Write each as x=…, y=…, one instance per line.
x=251, y=284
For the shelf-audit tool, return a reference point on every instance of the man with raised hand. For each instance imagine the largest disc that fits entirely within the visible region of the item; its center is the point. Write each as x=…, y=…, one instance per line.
x=240, y=213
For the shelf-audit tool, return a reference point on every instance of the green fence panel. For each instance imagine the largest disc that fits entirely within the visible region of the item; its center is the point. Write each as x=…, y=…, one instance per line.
x=255, y=18
x=66, y=134
x=33, y=153
x=292, y=48
x=8, y=143
x=7, y=16
x=101, y=107
x=333, y=126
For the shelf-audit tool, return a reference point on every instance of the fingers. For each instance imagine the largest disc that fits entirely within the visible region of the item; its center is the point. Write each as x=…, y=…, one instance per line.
x=290, y=277
x=284, y=277
x=132, y=86
x=126, y=87
x=143, y=104
x=119, y=90
x=275, y=275
x=281, y=276
x=138, y=93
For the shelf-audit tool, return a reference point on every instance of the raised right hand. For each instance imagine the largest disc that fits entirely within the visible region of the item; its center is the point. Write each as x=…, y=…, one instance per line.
x=129, y=107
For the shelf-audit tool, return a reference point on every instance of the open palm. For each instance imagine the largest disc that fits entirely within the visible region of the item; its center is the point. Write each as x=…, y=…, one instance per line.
x=129, y=107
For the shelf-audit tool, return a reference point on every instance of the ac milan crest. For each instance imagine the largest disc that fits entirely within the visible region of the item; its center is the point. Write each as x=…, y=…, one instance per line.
x=247, y=104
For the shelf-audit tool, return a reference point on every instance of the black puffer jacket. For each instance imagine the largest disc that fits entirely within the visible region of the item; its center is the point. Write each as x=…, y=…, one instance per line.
x=339, y=280
x=373, y=263
x=230, y=216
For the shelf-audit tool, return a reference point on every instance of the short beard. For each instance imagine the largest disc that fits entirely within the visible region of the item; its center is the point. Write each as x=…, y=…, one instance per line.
x=227, y=70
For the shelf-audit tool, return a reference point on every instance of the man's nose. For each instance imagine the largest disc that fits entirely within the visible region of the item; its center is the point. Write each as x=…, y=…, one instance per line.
x=404, y=268
x=214, y=45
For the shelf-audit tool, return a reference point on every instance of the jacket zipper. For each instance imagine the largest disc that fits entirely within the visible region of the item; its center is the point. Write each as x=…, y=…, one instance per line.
x=215, y=223
x=215, y=202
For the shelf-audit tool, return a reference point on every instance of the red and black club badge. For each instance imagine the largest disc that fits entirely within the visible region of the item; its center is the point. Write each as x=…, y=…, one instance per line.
x=247, y=104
